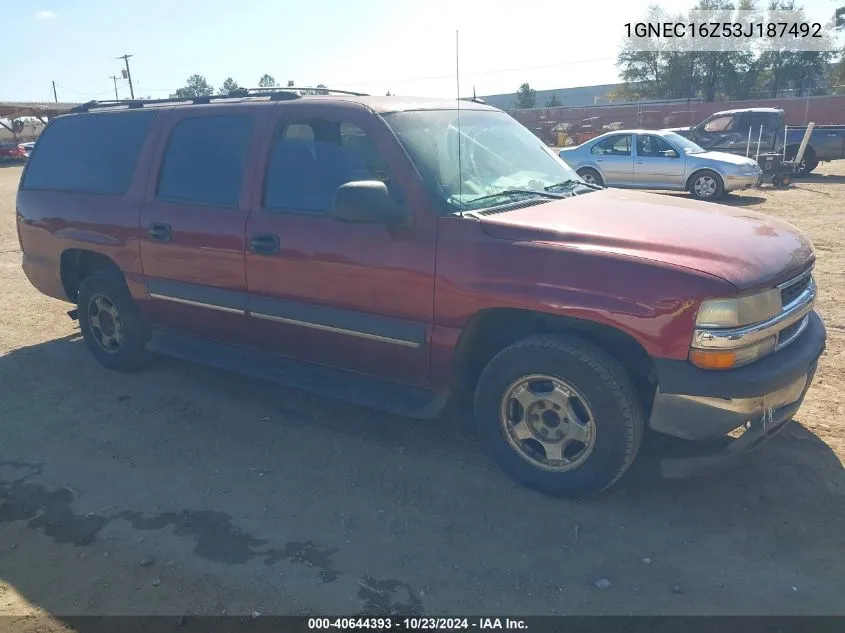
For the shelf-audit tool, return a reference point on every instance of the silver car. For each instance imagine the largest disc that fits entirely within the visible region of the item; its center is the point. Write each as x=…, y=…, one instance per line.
x=660, y=159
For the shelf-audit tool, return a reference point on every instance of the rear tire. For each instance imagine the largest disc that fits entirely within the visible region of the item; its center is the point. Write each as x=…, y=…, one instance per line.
x=591, y=176
x=808, y=162
x=706, y=185
x=597, y=423
x=111, y=325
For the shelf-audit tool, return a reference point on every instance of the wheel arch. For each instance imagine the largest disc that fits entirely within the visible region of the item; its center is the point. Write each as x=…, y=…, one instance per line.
x=76, y=264
x=698, y=171
x=794, y=147
x=491, y=330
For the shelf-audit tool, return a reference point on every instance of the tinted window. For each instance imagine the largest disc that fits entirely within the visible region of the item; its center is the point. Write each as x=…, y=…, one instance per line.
x=619, y=145
x=92, y=153
x=762, y=119
x=306, y=167
x=205, y=159
x=654, y=147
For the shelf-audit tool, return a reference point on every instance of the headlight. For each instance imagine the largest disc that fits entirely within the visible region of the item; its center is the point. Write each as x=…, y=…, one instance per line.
x=739, y=311
x=732, y=358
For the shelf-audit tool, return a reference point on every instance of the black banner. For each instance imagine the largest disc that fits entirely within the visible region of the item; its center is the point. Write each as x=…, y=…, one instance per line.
x=532, y=624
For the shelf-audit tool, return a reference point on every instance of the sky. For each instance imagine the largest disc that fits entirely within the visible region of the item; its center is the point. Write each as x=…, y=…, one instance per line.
x=371, y=46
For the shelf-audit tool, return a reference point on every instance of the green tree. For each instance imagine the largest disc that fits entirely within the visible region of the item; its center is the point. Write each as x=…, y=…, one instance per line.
x=229, y=86
x=526, y=97
x=645, y=71
x=837, y=75
x=267, y=81
x=196, y=86
x=553, y=101
x=800, y=72
x=290, y=83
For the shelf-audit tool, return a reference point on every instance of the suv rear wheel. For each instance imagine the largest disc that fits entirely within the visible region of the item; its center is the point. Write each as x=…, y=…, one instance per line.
x=559, y=415
x=110, y=322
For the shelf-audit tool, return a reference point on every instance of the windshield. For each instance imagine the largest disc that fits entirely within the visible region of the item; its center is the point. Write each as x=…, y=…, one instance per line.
x=497, y=155
x=684, y=143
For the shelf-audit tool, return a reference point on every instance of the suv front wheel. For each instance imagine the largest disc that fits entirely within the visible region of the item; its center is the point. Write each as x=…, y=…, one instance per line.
x=111, y=325
x=559, y=414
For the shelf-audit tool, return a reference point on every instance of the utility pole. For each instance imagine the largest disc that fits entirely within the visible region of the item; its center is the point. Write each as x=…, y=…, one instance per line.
x=125, y=58
x=114, y=79
x=55, y=96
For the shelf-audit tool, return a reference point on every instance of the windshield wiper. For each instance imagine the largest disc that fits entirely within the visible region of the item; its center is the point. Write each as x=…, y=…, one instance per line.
x=569, y=184
x=515, y=192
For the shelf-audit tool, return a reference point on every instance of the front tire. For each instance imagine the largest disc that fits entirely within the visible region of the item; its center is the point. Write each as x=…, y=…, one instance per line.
x=111, y=325
x=706, y=185
x=559, y=415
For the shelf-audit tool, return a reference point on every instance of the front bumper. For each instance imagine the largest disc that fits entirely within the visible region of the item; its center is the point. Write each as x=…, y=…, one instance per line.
x=735, y=182
x=752, y=402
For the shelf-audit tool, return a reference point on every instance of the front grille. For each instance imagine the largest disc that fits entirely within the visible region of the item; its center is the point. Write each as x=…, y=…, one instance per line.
x=790, y=291
x=788, y=332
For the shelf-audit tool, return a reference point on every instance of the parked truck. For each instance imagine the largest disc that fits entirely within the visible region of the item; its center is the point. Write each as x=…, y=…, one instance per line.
x=730, y=130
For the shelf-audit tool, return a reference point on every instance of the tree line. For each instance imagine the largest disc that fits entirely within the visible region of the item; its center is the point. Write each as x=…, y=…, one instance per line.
x=198, y=86
x=668, y=72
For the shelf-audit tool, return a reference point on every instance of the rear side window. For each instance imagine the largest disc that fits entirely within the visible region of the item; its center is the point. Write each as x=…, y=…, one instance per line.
x=613, y=146
x=205, y=160
x=91, y=153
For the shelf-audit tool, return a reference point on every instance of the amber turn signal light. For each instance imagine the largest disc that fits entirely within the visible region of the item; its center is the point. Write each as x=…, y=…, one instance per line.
x=712, y=359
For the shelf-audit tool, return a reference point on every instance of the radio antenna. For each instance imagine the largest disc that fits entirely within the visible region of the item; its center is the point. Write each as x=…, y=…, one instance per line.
x=458, y=85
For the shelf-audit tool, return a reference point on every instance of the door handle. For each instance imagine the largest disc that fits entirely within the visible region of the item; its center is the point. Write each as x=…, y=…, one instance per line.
x=160, y=232
x=264, y=244
x=639, y=162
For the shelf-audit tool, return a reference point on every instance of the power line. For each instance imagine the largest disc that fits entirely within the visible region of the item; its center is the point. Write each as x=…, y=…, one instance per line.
x=145, y=89
x=481, y=73
x=84, y=94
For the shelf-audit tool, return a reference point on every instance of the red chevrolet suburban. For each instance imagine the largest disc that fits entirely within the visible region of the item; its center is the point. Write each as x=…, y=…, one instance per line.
x=404, y=253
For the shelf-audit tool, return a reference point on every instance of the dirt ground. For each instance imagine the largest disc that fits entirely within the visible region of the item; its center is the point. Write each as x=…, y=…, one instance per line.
x=185, y=490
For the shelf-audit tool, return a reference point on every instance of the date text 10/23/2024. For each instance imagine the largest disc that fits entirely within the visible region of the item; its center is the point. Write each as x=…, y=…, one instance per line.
x=417, y=624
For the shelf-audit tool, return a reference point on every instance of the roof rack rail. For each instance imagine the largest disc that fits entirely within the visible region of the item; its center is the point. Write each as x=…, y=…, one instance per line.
x=273, y=94
x=309, y=90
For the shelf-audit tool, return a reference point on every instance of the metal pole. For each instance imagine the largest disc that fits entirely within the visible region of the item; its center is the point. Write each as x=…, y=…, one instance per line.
x=759, y=138
x=785, y=129
x=114, y=79
x=55, y=96
x=800, y=155
x=748, y=147
x=125, y=58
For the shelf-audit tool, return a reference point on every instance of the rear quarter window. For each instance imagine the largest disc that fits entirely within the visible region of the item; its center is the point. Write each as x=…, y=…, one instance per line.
x=91, y=153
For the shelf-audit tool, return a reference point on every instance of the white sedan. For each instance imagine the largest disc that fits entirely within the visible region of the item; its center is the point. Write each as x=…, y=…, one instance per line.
x=660, y=159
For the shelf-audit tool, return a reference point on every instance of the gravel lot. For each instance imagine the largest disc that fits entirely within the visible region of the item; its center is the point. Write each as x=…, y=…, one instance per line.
x=185, y=490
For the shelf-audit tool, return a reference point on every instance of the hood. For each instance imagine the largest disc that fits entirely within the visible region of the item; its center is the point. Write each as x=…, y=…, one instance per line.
x=724, y=157
x=747, y=249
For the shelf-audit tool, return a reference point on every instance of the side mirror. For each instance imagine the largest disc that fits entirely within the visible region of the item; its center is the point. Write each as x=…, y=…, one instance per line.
x=366, y=202
x=670, y=153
